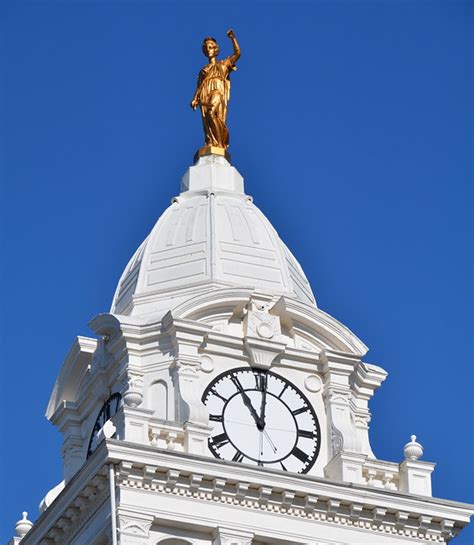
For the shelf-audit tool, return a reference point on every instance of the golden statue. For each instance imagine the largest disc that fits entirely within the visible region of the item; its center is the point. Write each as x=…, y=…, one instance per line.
x=212, y=96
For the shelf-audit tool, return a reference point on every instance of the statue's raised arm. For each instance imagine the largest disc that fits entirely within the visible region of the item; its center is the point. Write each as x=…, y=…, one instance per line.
x=235, y=57
x=212, y=95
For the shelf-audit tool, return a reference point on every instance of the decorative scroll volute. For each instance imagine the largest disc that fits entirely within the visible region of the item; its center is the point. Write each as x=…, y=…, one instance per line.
x=337, y=368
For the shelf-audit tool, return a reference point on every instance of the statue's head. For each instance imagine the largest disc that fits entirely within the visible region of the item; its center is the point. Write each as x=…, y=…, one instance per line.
x=210, y=47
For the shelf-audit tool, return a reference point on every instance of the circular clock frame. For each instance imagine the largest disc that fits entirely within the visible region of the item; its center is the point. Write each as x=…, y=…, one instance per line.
x=314, y=434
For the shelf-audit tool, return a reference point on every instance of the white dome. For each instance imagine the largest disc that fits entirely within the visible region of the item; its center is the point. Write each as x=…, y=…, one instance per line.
x=212, y=236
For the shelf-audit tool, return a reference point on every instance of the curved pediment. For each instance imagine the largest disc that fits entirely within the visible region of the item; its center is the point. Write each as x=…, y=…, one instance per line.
x=74, y=368
x=310, y=328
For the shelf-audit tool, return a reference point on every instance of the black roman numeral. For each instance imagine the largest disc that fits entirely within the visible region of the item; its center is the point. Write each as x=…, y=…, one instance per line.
x=238, y=457
x=236, y=381
x=216, y=417
x=307, y=434
x=283, y=391
x=217, y=394
x=301, y=410
x=220, y=440
x=302, y=456
x=283, y=467
x=261, y=381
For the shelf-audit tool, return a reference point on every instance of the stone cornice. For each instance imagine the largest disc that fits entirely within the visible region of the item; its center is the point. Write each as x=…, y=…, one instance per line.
x=289, y=494
x=121, y=450
x=183, y=329
x=366, y=379
x=334, y=332
x=222, y=343
x=227, y=297
x=75, y=505
x=308, y=314
x=247, y=487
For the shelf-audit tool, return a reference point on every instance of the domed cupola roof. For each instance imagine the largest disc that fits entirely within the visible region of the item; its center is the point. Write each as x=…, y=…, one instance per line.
x=212, y=236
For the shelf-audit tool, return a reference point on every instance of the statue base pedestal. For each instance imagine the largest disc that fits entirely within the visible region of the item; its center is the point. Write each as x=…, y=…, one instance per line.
x=211, y=150
x=212, y=173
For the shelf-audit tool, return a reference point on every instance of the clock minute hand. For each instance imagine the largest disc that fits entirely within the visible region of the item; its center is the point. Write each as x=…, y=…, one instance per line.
x=272, y=444
x=263, y=403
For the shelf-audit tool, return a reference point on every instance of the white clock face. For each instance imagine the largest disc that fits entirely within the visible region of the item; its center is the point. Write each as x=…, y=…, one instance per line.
x=260, y=418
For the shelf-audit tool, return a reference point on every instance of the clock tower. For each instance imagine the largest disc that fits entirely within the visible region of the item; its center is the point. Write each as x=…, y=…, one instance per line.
x=218, y=405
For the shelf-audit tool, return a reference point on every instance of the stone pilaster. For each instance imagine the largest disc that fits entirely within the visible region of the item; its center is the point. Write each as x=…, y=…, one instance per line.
x=72, y=450
x=365, y=380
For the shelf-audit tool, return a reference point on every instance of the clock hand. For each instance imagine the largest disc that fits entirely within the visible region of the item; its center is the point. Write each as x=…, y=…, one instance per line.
x=264, y=402
x=272, y=444
x=251, y=408
x=247, y=402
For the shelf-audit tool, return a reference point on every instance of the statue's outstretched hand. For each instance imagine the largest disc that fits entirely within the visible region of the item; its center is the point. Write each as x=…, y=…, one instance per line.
x=194, y=103
x=231, y=34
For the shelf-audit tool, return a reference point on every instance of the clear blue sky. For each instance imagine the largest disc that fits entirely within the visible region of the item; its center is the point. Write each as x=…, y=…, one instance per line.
x=352, y=125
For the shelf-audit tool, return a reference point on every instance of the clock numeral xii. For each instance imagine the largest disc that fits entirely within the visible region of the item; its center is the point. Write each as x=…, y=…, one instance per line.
x=260, y=381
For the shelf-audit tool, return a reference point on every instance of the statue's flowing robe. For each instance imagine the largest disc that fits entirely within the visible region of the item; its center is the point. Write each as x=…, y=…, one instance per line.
x=213, y=95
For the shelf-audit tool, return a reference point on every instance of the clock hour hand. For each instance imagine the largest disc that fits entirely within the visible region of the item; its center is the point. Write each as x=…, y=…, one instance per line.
x=252, y=410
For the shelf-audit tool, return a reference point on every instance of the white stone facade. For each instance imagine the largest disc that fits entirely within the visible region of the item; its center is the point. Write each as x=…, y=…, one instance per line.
x=212, y=289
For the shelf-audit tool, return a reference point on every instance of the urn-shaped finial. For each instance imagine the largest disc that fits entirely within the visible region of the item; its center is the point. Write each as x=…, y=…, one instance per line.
x=23, y=526
x=413, y=450
x=133, y=397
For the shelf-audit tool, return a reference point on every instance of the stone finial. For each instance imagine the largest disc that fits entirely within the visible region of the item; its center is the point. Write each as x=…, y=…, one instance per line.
x=23, y=526
x=413, y=450
x=133, y=397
